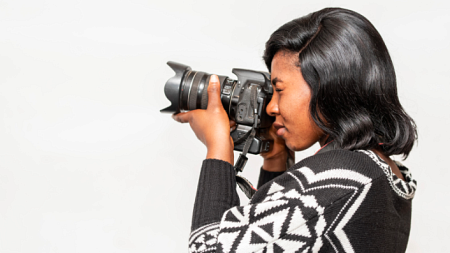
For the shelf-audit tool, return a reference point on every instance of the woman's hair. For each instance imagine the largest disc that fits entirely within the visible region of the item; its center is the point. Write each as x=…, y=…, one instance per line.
x=346, y=64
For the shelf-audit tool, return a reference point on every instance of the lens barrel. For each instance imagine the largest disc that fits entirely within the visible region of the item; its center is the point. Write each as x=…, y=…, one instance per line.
x=194, y=93
x=188, y=89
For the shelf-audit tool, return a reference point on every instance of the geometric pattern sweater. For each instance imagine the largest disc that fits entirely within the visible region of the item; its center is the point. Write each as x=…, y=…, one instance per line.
x=336, y=201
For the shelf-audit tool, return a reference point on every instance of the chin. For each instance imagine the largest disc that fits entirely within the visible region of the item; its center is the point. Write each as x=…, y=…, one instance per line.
x=298, y=146
x=294, y=147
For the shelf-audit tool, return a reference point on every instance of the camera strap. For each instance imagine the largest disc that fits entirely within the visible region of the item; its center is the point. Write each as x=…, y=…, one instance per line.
x=243, y=183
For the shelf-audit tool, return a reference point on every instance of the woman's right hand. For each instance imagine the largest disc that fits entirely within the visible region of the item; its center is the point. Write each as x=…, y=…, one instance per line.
x=277, y=158
x=211, y=126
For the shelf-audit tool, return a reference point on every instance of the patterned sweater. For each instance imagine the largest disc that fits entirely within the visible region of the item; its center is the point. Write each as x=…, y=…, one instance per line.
x=336, y=201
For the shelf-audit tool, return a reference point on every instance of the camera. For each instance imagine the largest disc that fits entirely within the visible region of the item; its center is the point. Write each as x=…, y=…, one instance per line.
x=245, y=101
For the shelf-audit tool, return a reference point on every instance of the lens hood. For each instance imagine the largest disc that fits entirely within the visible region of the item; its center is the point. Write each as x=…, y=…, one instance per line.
x=173, y=86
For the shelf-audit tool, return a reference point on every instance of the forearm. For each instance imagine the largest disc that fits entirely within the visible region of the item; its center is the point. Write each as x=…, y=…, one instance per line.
x=274, y=165
x=216, y=192
x=221, y=151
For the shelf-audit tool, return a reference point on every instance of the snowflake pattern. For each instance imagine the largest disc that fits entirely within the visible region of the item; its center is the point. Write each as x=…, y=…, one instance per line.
x=293, y=217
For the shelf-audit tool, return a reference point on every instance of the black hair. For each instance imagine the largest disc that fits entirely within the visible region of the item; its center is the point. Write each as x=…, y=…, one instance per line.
x=346, y=64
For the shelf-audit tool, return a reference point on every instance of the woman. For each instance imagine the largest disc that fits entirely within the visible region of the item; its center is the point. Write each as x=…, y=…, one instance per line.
x=334, y=83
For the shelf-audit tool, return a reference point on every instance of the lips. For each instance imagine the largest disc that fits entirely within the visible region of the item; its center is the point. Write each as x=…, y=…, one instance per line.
x=280, y=128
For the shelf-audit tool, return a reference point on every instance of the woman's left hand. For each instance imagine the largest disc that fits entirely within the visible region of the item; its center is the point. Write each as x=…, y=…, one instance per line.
x=279, y=156
x=211, y=126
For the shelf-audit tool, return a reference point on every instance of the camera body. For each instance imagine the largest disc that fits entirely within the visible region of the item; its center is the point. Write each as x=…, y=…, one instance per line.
x=187, y=90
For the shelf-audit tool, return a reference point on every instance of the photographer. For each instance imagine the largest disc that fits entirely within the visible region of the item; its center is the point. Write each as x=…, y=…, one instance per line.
x=334, y=83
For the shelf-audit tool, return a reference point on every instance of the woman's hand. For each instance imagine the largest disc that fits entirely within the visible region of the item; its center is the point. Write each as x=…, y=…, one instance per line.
x=211, y=126
x=276, y=159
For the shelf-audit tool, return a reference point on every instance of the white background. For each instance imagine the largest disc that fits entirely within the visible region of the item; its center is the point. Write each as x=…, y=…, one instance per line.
x=89, y=164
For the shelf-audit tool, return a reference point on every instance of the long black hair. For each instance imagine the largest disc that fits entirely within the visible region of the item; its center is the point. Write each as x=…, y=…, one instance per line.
x=346, y=64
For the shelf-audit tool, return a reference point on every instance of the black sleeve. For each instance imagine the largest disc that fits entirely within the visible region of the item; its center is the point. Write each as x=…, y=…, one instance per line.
x=216, y=192
x=265, y=176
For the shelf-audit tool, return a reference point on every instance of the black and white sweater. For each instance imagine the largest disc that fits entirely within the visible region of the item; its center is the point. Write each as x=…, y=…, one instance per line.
x=337, y=201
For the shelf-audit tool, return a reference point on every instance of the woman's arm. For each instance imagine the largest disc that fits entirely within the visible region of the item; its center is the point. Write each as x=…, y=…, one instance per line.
x=216, y=191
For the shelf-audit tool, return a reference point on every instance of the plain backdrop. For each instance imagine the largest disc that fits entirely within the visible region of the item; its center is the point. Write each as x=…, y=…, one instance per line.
x=89, y=164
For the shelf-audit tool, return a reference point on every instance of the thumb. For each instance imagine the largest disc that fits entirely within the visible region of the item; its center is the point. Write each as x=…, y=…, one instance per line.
x=214, y=92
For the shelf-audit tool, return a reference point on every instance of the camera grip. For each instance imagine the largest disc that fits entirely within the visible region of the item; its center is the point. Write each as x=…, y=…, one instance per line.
x=258, y=145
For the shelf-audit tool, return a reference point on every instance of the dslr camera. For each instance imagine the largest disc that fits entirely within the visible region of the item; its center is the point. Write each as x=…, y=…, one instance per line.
x=244, y=100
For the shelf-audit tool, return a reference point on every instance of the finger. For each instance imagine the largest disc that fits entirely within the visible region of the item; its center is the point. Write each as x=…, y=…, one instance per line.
x=232, y=128
x=232, y=125
x=182, y=117
x=214, y=92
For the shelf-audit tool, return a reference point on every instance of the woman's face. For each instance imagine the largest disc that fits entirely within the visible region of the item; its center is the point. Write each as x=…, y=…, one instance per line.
x=290, y=103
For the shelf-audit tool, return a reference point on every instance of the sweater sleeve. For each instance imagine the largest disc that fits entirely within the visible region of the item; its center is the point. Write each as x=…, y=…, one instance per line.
x=216, y=193
x=265, y=176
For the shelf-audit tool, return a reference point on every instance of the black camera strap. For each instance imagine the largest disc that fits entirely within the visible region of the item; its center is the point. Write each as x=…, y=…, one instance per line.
x=243, y=183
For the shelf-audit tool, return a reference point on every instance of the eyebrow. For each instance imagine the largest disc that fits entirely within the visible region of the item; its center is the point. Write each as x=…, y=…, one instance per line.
x=275, y=81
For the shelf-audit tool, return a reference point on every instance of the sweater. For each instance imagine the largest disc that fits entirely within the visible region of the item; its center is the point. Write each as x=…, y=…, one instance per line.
x=336, y=201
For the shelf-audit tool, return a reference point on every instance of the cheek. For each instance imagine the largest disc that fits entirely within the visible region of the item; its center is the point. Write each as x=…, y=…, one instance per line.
x=296, y=109
x=304, y=131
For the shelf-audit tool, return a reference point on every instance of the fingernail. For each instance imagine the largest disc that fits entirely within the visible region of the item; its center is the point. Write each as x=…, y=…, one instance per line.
x=214, y=79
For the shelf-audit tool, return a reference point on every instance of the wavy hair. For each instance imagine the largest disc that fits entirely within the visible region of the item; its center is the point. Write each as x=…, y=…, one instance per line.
x=346, y=64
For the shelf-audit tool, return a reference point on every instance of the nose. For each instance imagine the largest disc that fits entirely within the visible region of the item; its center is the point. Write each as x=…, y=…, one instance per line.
x=272, y=108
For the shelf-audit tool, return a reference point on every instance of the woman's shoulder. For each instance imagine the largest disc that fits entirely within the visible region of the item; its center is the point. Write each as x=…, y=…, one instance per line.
x=362, y=162
x=326, y=177
x=366, y=163
x=338, y=174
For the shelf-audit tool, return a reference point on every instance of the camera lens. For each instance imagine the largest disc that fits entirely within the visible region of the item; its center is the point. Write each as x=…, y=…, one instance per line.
x=188, y=89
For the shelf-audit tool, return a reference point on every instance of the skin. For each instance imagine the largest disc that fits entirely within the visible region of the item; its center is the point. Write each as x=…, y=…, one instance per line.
x=391, y=164
x=275, y=160
x=290, y=104
x=293, y=129
x=211, y=126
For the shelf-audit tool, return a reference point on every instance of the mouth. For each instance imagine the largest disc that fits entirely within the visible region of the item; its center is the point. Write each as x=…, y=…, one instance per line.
x=281, y=129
